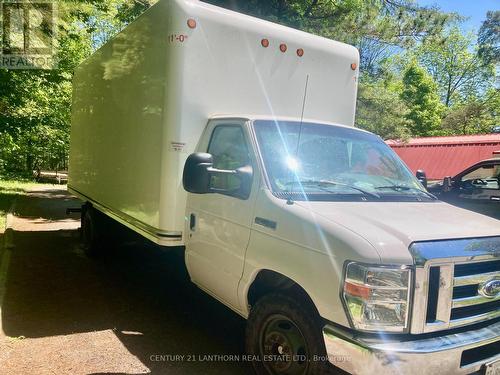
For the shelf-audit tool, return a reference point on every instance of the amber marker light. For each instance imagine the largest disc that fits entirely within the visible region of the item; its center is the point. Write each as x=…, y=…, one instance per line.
x=265, y=43
x=354, y=66
x=191, y=23
x=300, y=52
x=355, y=290
x=283, y=47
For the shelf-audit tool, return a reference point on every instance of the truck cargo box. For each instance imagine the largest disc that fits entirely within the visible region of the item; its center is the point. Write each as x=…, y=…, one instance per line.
x=142, y=101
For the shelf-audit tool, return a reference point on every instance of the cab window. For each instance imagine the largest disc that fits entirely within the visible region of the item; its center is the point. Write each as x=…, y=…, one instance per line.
x=229, y=151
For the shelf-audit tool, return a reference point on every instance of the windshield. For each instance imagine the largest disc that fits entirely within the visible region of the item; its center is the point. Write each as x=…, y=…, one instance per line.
x=331, y=162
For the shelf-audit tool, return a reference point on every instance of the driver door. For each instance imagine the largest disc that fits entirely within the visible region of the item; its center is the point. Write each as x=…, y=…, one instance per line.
x=219, y=224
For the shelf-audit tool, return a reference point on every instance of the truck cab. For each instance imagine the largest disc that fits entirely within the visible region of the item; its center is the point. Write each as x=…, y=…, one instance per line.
x=307, y=227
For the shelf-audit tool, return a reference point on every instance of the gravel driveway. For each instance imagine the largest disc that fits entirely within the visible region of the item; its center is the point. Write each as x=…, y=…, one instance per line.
x=132, y=312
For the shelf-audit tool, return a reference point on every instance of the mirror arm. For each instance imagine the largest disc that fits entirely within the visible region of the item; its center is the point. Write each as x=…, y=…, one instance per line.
x=212, y=170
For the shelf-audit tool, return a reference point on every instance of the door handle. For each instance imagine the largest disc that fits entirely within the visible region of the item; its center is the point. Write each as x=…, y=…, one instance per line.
x=266, y=223
x=192, y=222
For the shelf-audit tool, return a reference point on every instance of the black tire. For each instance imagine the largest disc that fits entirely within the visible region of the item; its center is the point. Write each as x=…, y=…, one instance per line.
x=282, y=328
x=93, y=239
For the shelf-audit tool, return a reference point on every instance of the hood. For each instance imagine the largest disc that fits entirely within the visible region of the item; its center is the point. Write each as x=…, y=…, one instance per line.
x=393, y=226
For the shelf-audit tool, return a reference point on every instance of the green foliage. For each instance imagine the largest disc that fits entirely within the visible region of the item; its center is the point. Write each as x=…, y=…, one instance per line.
x=365, y=23
x=35, y=105
x=420, y=95
x=8, y=149
x=34, y=118
x=474, y=116
x=489, y=38
x=381, y=111
x=455, y=65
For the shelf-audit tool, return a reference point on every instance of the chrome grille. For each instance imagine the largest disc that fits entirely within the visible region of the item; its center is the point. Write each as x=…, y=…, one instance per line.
x=448, y=276
x=468, y=305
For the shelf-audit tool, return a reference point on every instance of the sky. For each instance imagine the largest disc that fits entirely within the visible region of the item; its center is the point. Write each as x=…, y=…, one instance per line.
x=475, y=9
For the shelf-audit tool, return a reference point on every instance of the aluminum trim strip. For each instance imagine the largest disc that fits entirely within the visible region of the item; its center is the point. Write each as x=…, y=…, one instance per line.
x=445, y=295
x=475, y=300
x=420, y=300
x=470, y=338
x=475, y=279
x=128, y=219
x=437, y=344
x=474, y=319
x=461, y=250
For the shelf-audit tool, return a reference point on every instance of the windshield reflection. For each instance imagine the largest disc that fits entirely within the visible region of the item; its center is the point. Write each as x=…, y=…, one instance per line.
x=317, y=159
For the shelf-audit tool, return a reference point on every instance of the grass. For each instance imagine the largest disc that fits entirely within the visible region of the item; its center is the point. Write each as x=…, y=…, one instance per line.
x=9, y=190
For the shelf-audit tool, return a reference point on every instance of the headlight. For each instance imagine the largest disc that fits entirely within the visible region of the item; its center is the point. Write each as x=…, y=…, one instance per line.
x=377, y=298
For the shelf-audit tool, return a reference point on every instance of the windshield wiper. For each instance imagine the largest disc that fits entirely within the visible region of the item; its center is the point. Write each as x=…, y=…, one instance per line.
x=319, y=183
x=406, y=188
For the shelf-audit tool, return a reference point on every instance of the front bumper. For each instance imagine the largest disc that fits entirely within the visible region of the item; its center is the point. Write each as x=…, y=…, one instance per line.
x=429, y=355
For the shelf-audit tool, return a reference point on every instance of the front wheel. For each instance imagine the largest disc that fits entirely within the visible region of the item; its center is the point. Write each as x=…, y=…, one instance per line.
x=284, y=337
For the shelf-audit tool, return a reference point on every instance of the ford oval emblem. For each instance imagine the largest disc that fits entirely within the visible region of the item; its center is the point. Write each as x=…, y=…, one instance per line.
x=490, y=289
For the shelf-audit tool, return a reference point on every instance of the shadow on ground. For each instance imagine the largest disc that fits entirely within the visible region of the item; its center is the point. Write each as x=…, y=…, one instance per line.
x=6, y=199
x=138, y=290
x=41, y=205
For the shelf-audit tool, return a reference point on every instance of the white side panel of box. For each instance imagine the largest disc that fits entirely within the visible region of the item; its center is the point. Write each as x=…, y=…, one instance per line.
x=142, y=101
x=221, y=68
x=118, y=117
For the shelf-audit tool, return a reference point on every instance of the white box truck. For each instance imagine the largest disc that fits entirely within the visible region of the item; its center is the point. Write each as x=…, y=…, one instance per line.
x=233, y=138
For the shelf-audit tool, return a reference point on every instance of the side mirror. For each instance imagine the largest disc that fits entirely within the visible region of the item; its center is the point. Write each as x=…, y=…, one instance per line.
x=447, y=184
x=422, y=177
x=198, y=173
x=196, y=178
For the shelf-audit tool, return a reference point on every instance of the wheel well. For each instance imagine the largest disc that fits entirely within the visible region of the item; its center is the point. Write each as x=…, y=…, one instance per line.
x=268, y=282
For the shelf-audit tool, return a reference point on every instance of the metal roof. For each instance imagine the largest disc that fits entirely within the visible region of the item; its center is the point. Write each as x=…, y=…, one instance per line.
x=446, y=156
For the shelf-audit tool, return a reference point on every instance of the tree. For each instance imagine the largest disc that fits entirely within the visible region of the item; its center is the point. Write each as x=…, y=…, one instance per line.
x=489, y=38
x=454, y=64
x=420, y=95
x=377, y=27
x=475, y=116
x=35, y=115
x=381, y=111
x=396, y=22
x=8, y=148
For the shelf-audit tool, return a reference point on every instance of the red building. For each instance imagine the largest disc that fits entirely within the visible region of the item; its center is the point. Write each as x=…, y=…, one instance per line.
x=446, y=156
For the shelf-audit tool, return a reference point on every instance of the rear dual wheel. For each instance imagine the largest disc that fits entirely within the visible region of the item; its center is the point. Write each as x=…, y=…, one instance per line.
x=93, y=232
